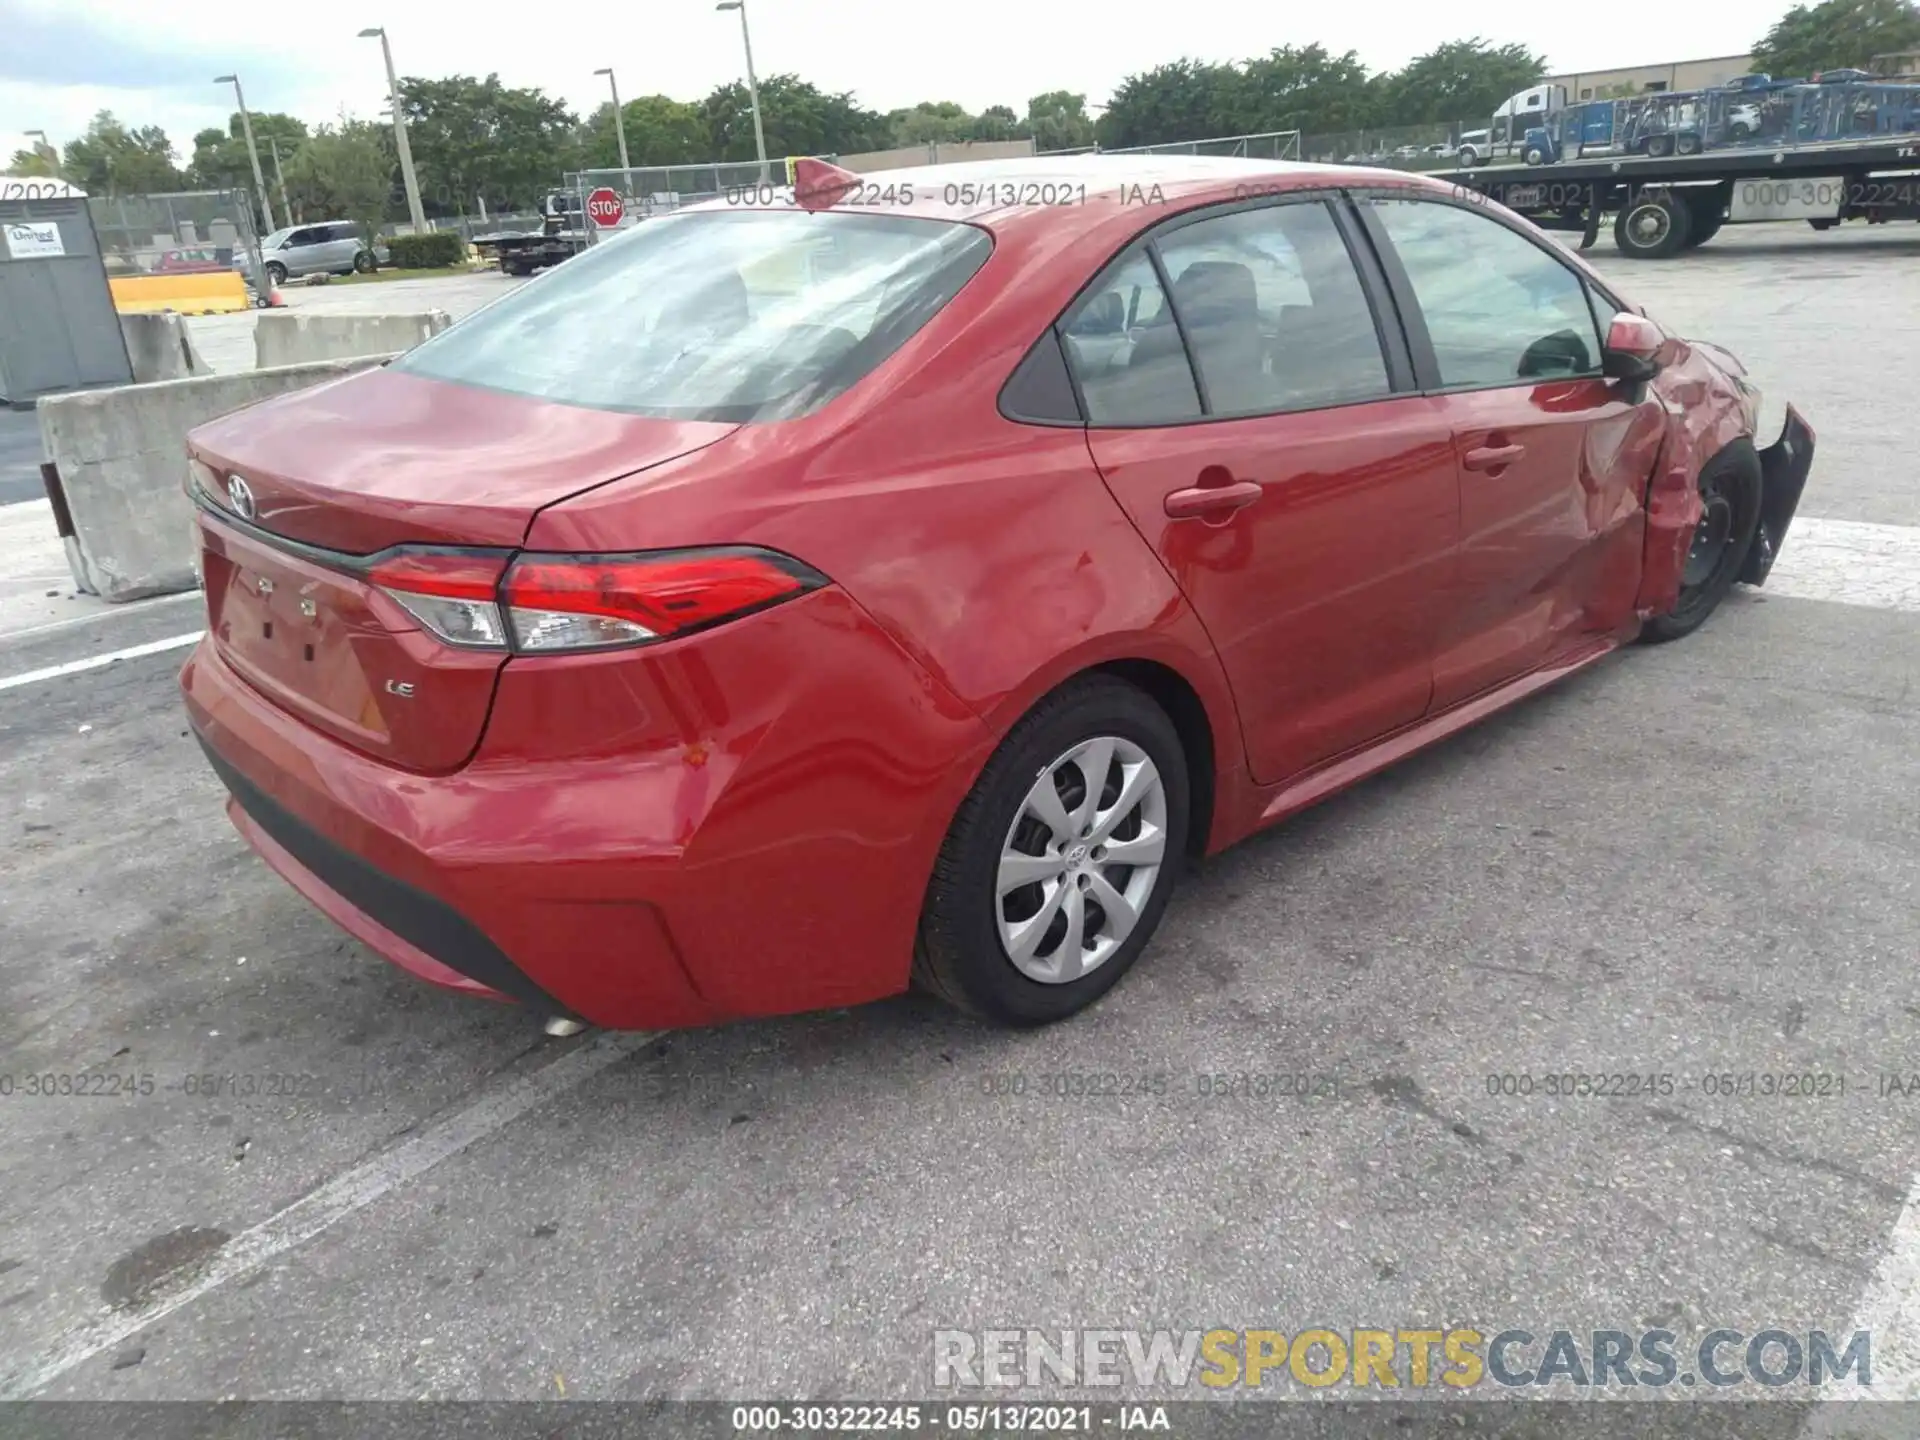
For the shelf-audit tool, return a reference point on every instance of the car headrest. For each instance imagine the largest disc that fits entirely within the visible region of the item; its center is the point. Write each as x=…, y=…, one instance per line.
x=1210, y=291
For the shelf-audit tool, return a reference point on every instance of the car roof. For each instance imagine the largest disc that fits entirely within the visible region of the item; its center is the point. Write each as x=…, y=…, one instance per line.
x=1014, y=193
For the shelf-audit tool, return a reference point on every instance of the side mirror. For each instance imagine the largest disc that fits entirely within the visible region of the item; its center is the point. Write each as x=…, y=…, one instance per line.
x=1632, y=351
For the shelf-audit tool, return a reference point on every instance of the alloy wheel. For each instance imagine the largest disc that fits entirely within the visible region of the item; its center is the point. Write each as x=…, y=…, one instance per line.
x=1081, y=860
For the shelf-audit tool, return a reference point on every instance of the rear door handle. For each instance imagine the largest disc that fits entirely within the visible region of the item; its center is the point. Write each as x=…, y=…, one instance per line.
x=1213, y=499
x=1492, y=457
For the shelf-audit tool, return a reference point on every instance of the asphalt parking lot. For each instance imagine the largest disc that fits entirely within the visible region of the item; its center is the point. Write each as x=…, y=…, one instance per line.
x=1696, y=860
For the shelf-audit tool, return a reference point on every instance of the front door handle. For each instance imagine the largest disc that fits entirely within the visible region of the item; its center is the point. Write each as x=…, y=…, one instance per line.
x=1492, y=457
x=1212, y=500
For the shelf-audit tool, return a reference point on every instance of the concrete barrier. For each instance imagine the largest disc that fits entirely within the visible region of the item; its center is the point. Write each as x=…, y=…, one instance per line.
x=198, y=292
x=293, y=337
x=161, y=348
x=119, y=460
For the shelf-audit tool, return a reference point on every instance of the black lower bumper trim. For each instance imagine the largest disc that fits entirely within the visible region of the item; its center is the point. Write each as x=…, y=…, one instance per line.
x=428, y=924
x=1783, y=476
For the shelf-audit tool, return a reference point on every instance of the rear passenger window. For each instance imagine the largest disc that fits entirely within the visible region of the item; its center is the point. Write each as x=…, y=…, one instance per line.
x=1125, y=350
x=1274, y=311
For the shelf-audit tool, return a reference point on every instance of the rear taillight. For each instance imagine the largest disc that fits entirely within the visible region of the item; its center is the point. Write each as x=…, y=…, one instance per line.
x=451, y=592
x=574, y=602
x=541, y=604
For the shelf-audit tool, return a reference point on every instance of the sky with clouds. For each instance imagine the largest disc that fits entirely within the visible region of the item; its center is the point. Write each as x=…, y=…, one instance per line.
x=62, y=60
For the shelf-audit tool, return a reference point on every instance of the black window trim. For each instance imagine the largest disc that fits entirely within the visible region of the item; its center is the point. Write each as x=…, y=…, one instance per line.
x=1426, y=362
x=1382, y=305
x=1151, y=244
x=1009, y=398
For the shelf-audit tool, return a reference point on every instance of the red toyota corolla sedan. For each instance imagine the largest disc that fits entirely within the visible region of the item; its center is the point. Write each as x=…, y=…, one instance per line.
x=788, y=602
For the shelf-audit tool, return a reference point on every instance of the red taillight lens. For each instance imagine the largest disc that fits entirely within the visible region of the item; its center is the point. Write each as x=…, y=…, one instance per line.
x=451, y=592
x=575, y=602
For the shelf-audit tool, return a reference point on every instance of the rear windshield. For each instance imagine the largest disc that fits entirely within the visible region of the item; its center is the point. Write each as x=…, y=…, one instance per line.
x=733, y=317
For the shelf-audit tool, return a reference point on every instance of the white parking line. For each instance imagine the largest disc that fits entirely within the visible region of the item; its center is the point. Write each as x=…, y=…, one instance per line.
x=327, y=1206
x=1889, y=1311
x=94, y=662
x=106, y=612
x=1849, y=562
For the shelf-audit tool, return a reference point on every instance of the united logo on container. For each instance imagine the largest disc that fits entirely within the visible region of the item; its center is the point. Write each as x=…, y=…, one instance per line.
x=604, y=208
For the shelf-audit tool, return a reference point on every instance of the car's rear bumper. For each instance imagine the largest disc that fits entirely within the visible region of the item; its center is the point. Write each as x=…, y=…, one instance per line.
x=1784, y=466
x=768, y=855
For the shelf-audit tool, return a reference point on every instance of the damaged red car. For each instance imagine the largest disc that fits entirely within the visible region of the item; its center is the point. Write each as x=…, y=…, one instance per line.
x=800, y=598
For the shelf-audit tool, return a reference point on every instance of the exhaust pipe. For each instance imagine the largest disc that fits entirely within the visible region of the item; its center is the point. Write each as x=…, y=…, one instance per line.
x=560, y=1028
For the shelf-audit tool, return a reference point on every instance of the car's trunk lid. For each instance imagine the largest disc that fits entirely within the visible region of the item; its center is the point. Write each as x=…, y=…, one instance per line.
x=384, y=458
x=351, y=469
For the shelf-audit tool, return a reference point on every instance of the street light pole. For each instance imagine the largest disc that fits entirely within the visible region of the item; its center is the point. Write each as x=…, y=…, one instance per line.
x=407, y=177
x=753, y=88
x=619, y=129
x=280, y=175
x=253, y=150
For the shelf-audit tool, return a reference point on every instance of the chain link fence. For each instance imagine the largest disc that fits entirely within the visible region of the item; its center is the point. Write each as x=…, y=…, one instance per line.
x=1266, y=145
x=1405, y=147
x=173, y=233
x=655, y=189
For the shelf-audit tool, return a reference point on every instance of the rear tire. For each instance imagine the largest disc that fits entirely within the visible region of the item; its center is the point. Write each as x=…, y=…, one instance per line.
x=1730, y=490
x=1705, y=215
x=1070, y=950
x=1687, y=145
x=1652, y=227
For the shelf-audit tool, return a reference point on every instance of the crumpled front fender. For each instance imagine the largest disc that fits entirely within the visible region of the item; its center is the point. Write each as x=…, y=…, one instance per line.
x=1706, y=412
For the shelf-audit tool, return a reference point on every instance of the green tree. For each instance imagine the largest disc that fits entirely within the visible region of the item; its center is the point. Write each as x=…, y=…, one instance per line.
x=1181, y=100
x=1303, y=88
x=1459, y=79
x=220, y=160
x=1835, y=35
x=660, y=131
x=344, y=170
x=931, y=122
x=799, y=119
x=113, y=160
x=37, y=161
x=478, y=138
x=998, y=122
x=1058, y=120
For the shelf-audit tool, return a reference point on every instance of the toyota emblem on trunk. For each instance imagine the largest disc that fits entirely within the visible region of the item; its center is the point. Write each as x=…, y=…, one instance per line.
x=241, y=494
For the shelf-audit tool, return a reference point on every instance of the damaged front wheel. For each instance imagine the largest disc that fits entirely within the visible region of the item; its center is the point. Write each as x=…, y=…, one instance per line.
x=1729, y=515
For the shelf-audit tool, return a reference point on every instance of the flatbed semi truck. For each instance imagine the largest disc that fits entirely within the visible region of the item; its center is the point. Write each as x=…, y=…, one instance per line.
x=1664, y=205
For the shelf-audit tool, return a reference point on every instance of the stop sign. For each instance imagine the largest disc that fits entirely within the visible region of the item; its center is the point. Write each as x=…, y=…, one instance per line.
x=604, y=208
